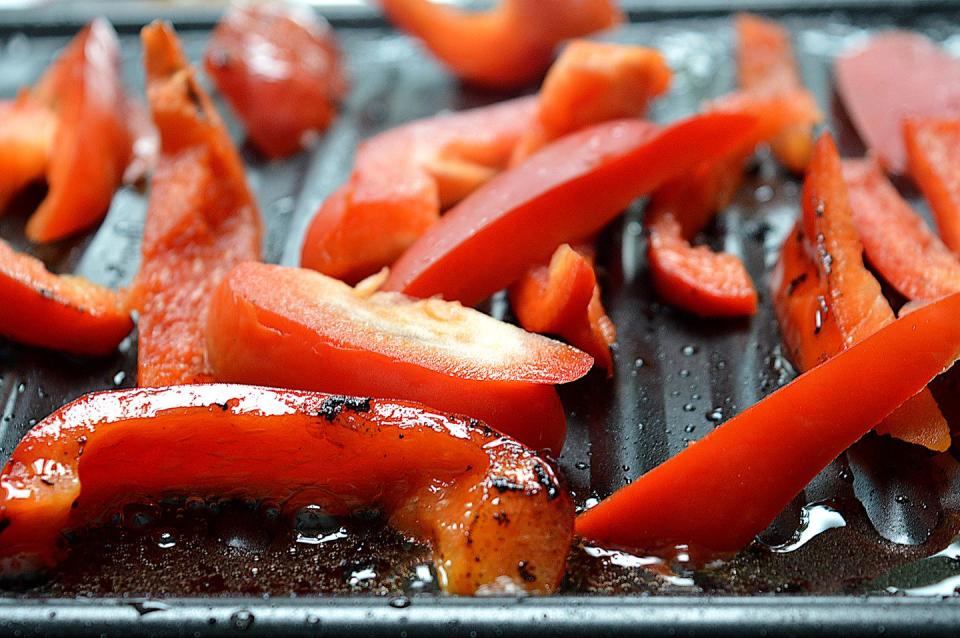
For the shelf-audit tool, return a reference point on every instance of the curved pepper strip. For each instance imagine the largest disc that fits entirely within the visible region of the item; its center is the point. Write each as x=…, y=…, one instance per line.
x=899, y=244
x=563, y=298
x=72, y=127
x=201, y=219
x=291, y=327
x=401, y=181
x=279, y=66
x=506, y=47
x=718, y=493
x=933, y=159
x=492, y=509
x=695, y=278
x=59, y=312
x=766, y=66
x=568, y=191
x=855, y=299
x=592, y=82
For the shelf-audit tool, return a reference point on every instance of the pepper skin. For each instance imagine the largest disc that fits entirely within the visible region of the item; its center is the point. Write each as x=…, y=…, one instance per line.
x=201, y=219
x=933, y=159
x=492, y=509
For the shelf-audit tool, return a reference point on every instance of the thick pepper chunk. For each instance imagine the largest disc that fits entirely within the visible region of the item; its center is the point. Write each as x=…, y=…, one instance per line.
x=201, y=219
x=490, y=507
x=279, y=66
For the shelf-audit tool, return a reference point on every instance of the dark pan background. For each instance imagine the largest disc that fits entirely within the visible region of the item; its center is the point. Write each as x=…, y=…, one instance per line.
x=676, y=379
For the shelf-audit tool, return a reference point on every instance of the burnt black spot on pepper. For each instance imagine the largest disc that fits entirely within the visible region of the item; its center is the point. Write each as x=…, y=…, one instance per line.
x=223, y=406
x=401, y=436
x=544, y=479
x=501, y=517
x=505, y=485
x=795, y=282
x=523, y=568
x=334, y=405
x=75, y=504
x=4, y=524
x=194, y=96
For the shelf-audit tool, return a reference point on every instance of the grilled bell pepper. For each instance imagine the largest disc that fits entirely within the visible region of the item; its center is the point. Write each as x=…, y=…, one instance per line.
x=766, y=66
x=933, y=157
x=506, y=47
x=201, y=218
x=563, y=298
x=278, y=64
x=566, y=192
x=592, y=82
x=491, y=508
x=855, y=299
x=71, y=127
x=896, y=239
x=718, y=493
x=896, y=75
x=401, y=181
x=58, y=312
x=291, y=327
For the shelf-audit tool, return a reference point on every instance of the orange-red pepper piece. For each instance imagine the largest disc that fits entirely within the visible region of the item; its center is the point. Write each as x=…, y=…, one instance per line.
x=721, y=491
x=766, y=66
x=401, y=181
x=563, y=298
x=697, y=279
x=59, y=312
x=855, y=299
x=506, y=47
x=201, y=219
x=568, y=191
x=899, y=244
x=72, y=127
x=593, y=82
x=292, y=327
x=933, y=159
x=279, y=66
x=491, y=508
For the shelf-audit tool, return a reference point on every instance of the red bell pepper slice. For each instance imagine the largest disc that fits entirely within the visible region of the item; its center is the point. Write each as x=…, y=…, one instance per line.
x=59, y=312
x=718, y=493
x=800, y=299
x=563, y=298
x=402, y=179
x=72, y=127
x=933, y=157
x=766, y=66
x=897, y=75
x=593, y=82
x=279, y=66
x=506, y=47
x=202, y=219
x=855, y=299
x=567, y=191
x=292, y=327
x=491, y=508
x=900, y=245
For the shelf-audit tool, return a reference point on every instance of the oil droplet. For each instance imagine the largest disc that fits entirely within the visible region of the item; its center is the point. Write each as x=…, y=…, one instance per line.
x=690, y=428
x=815, y=519
x=166, y=540
x=688, y=407
x=689, y=351
x=639, y=363
x=684, y=373
x=715, y=415
x=359, y=576
x=580, y=465
x=399, y=602
x=241, y=620
x=119, y=378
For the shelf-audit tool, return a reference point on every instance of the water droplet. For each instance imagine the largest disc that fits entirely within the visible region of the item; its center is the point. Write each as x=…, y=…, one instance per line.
x=639, y=363
x=721, y=365
x=688, y=407
x=357, y=577
x=580, y=465
x=591, y=502
x=675, y=393
x=399, y=602
x=119, y=378
x=684, y=373
x=21, y=388
x=815, y=519
x=715, y=415
x=846, y=476
x=166, y=539
x=689, y=351
x=313, y=620
x=690, y=428
x=900, y=498
x=315, y=527
x=241, y=620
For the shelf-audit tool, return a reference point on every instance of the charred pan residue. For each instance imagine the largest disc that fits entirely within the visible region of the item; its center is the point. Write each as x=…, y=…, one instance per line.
x=334, y=405
x=544, y=479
